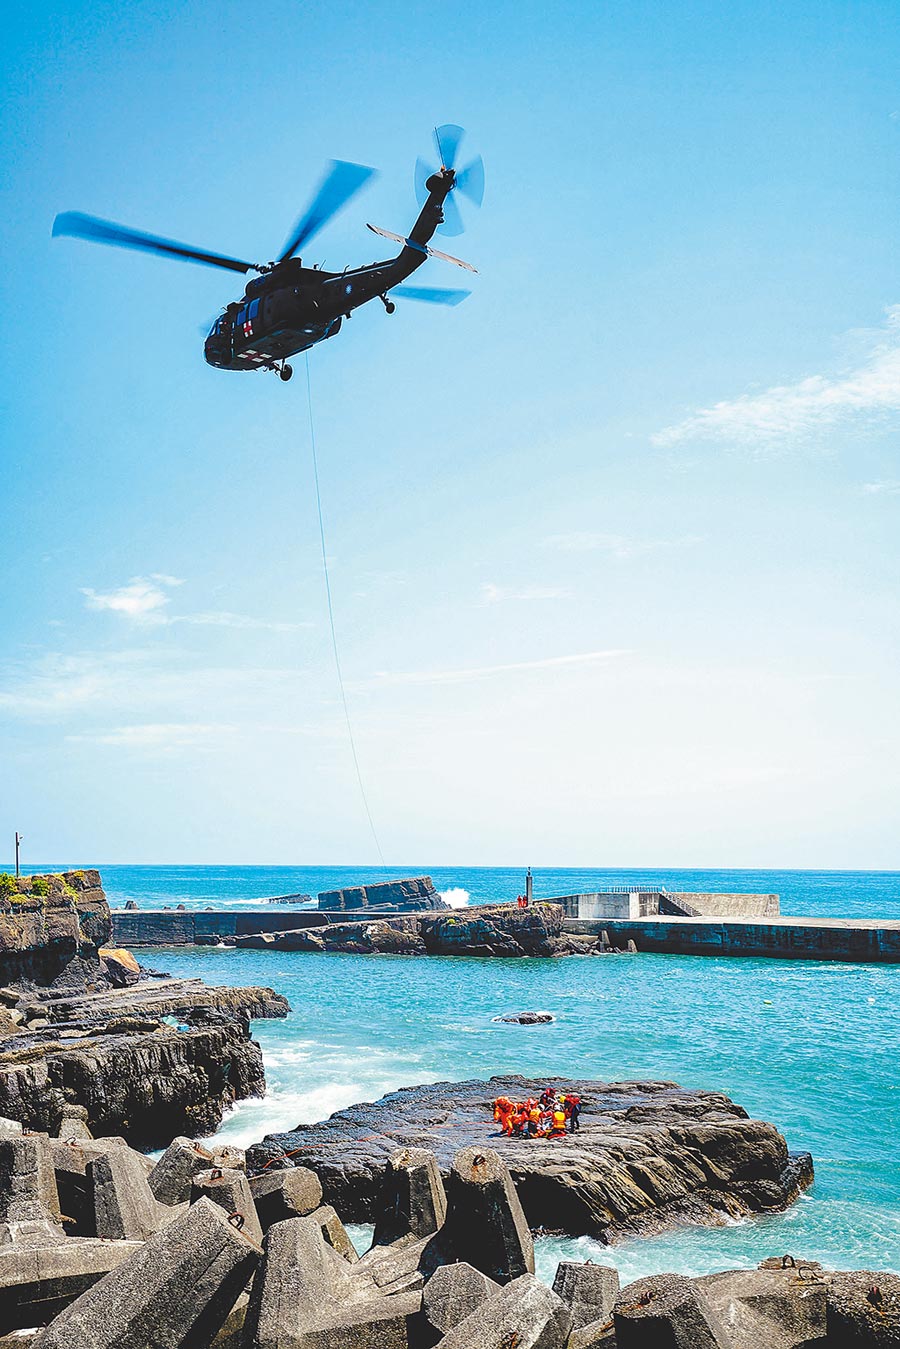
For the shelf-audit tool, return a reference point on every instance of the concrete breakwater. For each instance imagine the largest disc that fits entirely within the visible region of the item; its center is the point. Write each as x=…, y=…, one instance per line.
x=100, y=1250
x=783, y=938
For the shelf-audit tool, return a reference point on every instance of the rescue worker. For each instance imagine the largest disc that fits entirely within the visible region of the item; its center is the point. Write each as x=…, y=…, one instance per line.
x=558, y=1125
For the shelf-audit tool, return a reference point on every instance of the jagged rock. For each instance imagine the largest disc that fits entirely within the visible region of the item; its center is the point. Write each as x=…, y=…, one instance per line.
x=525, y=1314
x=453, y=1292
x=176, y=1290
x=131, y=904
x=413, y=1203
x=527, y=1018
x=279, y=1195
x=588, y=1290
x=387, y=936
x=773, y=1307
x=414, y=895
x=299, y=939
x=863, y=1310
x=170, y=1179
x=229, y=1189
x=497, y=930
x=667, y=1311
x=119, y=966
x=51, y=929
x=648, y=1156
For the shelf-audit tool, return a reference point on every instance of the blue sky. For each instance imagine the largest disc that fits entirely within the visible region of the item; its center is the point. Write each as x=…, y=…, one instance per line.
x=614, y=544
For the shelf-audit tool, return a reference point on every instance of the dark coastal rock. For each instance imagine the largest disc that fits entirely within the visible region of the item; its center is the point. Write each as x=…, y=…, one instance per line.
x=51, y=928
x=499, y=930
x=863, y=1310
x=413, y=895
x=111, y=1053
x=527, y=1018
x=649, y=1155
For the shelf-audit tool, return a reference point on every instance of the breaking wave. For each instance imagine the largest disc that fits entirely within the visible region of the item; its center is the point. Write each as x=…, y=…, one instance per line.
x=456, y=897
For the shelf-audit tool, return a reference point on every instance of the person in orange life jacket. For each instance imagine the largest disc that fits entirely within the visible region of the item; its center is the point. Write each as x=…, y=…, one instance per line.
x=573, y=1110
x=558, y=1126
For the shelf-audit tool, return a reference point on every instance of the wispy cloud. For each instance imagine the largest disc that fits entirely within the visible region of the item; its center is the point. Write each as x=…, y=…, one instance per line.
x=865, y=392
x=141, y=599
x=145, y=600
x=620, y=546
x=165, y=737
x=884, y=487
x=488, y=671
x=494, y=594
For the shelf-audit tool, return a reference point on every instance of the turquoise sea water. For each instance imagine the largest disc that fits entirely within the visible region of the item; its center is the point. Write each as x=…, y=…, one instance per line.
x=810, y=1046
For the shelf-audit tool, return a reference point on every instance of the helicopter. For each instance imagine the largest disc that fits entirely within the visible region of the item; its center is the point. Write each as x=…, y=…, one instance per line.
x=287, y=308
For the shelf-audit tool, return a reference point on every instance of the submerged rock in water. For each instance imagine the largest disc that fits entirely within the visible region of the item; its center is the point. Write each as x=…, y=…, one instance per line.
x=648, y=1155
x=527, y=1018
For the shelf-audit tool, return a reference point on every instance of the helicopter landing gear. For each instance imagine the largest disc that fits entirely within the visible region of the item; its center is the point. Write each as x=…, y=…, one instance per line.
x=286, y=371
x=389, y=305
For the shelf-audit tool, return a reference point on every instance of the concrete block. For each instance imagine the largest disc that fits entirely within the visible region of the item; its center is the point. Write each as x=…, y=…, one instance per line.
x=10, y=1128
x=595, y=1335
x=413, y=1203
x=392, y=1269
x=28, y=1190
x=170, y=1179
x=175, y=1292
x=231, y=1191
x=588, y=1290
x=453, y=1292
x=335, y=1233
x=124, y=1204
x=526, y=1314
x=38, y=1281
x=485, y=1223
x=863, y=1310
x=299, y=1279
x=382, y=1323
x=669, y=1312
x=279, y=1195
x=774, y=1309
x=73, y=1123
x=70, y=1159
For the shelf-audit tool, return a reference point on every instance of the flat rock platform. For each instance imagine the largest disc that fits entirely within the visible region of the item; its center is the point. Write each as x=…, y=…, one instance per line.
x=648, y=1155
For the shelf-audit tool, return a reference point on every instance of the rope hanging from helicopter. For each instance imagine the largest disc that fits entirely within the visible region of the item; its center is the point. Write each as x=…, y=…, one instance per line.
x=330, y=604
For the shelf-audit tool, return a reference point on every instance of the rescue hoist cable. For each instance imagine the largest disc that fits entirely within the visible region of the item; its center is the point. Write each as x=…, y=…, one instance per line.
x=334, y=643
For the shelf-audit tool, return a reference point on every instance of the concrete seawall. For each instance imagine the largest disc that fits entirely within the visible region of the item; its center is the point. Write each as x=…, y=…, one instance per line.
x=857, y=939
x=183, y=927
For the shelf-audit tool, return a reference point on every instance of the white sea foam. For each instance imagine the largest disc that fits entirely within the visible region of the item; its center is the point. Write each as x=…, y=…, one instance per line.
x=456, y=897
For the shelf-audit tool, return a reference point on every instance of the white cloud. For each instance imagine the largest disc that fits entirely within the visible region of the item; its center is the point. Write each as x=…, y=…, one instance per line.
x=620, y=546
x=486, y=671
x=144, y=600
x=866, y=391
x=884, y=487
x=141, y=599
x=494, y=594
x=159, y=736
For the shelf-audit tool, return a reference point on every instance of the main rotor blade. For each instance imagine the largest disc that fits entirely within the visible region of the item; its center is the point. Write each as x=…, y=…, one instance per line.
x=77, y=226
x=447, y=139
x=430, y=295
x=470, y=181
x=341, y=182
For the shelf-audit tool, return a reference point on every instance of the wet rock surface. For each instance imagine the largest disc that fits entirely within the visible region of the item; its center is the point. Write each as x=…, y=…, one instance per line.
x=413, y=894
x=648, y=1155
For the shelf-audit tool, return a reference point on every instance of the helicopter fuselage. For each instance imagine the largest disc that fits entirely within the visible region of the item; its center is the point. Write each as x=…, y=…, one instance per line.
x=289, y=308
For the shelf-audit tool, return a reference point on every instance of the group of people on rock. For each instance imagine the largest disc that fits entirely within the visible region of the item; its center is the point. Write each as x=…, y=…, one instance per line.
x=544, y=1117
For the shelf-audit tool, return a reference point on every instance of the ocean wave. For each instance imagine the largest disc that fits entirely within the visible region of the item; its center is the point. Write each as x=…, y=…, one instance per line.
x=456, y=897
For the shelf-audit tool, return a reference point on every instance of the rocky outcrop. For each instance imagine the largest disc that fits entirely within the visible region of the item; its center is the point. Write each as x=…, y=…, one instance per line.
x=648, y=1156
x=413, y=895
x=51, y=928
x=83, y=1026
x=135, y=1076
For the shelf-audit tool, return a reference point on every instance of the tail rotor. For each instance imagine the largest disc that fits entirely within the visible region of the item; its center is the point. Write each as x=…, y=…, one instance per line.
x=469, y=180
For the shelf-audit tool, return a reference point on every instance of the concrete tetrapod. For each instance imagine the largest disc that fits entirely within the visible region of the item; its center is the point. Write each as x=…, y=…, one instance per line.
x=453, y=1292
x=279, y=1195
x=28, y=1192
x=124, y=1205
x=588, y=1290
x=526, y=1313
x=667, y=1311
x=413, y=1202
x=864, y=1310
x=170, y=1179
x=175, y=1292
x=485, y=1223
x=229, y=1189
x=298, y=1280
x=767, y=1308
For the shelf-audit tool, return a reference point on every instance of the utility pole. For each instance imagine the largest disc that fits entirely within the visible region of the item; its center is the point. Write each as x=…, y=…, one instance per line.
x=18, y=841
